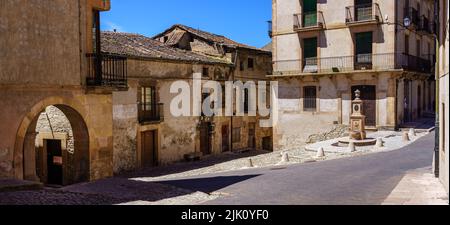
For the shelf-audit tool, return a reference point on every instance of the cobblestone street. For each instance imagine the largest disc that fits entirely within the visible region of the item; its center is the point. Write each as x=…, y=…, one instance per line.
x=153, y=186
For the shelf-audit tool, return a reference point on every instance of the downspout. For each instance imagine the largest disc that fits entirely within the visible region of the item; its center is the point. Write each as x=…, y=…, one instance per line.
x=437, y=100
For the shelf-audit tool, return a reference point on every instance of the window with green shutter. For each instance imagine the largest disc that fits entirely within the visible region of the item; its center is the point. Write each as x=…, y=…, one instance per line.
x=309, y=13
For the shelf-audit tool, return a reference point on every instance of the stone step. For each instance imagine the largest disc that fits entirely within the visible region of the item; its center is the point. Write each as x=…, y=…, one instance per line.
x=9, y=185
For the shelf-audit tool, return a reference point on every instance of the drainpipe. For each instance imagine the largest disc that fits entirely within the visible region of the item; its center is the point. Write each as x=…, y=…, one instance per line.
x=437, y=100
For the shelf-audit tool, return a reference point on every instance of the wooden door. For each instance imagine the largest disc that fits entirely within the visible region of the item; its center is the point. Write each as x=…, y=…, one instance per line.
x=368, y=95
x=252, y=135
x=225, y=138
x=205, y=142
x=149, y=150
x=54, y=162
x=267, y=144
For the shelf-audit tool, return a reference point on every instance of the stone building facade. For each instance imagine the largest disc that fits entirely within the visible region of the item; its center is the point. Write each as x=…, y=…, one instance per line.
x=146, y=134
x=443, y=52
x=248, y=63
x=46, y=58
x=323, y=51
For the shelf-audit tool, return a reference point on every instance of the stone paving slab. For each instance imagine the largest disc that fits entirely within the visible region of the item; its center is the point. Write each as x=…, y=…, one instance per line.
x=418, y=187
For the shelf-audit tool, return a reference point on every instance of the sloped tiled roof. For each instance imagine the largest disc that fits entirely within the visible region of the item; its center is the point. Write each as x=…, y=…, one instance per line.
x=139, y=46
x=210, y=37
x=268, y=47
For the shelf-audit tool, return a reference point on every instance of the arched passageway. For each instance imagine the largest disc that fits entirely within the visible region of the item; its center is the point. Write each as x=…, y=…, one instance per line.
x=49, y=156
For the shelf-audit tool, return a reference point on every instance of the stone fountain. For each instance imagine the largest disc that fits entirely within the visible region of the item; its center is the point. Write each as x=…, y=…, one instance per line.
x=358, y=125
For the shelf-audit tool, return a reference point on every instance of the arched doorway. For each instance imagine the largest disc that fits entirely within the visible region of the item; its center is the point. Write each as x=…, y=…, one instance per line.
x=44, y=156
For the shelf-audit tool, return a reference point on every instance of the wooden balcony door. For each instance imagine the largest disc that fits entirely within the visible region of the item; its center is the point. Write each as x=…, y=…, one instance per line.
x=363, y=51
x=148, y=102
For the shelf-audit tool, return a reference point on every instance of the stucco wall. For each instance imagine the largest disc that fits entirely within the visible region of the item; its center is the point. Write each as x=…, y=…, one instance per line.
x=40, y=41
x=287, y=43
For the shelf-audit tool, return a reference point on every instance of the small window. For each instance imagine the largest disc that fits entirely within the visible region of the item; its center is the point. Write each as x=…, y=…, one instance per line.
x=246, y=100
x=310, y=98
x=166, y=38
x=236, y=135
x=205, y=72
x=241, y=65
x=148, y=98
x=251, y=63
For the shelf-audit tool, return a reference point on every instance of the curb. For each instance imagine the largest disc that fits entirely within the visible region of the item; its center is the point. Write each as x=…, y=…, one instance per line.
x=12, y=186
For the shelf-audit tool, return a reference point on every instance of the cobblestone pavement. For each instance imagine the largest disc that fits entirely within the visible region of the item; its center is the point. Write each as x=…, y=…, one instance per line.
x=53, y=197
x=148, y=187
x=107, y=192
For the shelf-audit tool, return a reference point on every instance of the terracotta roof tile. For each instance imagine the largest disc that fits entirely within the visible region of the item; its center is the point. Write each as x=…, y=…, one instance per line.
x=139, y=46
x=210, y=37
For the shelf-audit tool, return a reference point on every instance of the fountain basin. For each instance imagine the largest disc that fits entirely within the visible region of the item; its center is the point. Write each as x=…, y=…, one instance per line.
x=359, y=143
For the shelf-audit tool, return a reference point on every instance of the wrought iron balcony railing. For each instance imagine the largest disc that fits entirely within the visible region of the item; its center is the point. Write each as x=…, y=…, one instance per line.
x=360, y=62
x=149, y=113
x=270, y=28
x=424, y=25
x=308, y=21
x=363, y=13
x=106, y=70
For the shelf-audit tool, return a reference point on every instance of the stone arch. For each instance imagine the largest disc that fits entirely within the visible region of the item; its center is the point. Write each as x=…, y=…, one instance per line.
x=24, y=150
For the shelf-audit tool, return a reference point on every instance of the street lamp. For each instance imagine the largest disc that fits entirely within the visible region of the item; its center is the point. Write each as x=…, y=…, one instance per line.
x=407, y=22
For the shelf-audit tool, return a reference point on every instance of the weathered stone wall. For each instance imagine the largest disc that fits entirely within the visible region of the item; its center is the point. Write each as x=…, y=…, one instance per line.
x=176, y=136
x=125, y=111
x=53, y=120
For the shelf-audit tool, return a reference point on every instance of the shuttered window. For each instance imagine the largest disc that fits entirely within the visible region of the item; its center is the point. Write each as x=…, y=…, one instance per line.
x=309, y=13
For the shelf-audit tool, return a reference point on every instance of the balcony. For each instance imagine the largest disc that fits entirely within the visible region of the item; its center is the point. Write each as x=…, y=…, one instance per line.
x=361, y=62
x=309, y=21
x=413, y=15
x=106, y=71
x=366, y=14
x=151, y=113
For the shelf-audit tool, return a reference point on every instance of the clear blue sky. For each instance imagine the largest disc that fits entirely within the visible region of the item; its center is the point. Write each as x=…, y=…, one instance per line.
x=244, y=21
